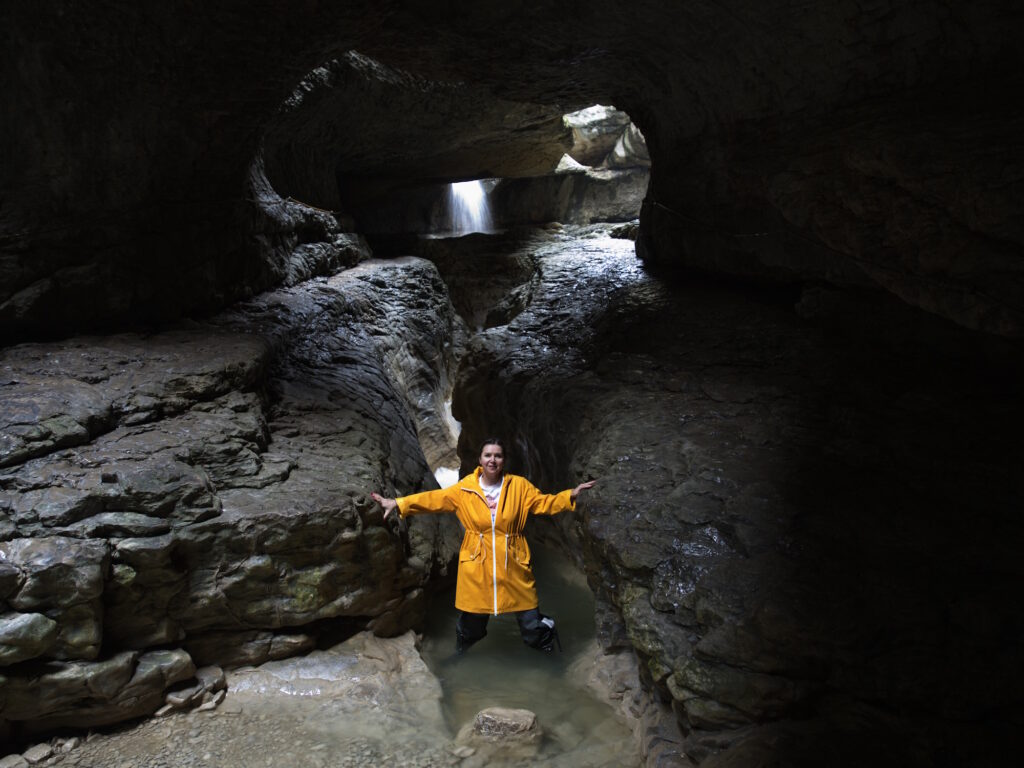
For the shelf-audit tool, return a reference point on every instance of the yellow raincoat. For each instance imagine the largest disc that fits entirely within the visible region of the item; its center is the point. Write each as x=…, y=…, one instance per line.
x=494, y=561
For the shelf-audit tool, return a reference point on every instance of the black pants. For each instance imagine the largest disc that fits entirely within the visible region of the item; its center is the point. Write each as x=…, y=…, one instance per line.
x=538, y=630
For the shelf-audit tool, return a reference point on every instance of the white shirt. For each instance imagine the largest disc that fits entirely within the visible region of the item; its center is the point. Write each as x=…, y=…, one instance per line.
x=492, y=493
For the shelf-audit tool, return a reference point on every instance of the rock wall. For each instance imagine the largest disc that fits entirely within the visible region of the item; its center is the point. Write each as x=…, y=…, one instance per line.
x=206, y=490
x=798, y=523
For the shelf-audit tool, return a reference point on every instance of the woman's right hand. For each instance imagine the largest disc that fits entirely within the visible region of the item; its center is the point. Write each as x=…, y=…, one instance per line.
x=390, y=505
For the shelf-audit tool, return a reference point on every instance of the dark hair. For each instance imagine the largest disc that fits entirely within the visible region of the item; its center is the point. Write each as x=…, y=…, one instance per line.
x=492, y=441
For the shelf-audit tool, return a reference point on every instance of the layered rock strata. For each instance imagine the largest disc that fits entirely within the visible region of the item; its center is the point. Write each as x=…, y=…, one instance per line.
x=204, y=491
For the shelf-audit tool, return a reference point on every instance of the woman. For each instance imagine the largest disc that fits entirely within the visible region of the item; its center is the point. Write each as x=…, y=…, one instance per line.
x=494, y=561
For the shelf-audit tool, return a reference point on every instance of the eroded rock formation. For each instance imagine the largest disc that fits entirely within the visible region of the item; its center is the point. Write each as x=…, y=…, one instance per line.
x=208, y=489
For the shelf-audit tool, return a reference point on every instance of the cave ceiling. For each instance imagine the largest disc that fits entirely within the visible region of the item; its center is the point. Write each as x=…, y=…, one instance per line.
x=867, y=145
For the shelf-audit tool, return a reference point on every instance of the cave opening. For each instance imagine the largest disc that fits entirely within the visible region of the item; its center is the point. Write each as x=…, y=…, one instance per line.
x=453, y=174
x=575, y=185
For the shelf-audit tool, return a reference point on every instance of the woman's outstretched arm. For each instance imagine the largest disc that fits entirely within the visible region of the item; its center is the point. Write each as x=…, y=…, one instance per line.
x=581, y=487
x=538, y=503
x=428, y=502
x=390, y=505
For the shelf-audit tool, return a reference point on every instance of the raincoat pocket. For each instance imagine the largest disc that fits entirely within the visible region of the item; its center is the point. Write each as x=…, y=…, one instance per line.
x=520, y=552
x=471, y=550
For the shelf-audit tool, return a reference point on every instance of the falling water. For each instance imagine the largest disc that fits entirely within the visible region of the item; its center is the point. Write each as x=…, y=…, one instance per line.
x=468, y=207
x=447, y=476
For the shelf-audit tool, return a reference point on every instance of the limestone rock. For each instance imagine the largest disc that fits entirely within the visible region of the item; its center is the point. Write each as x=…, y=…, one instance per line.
x=63, y=578
x=252, y=648
x=572, y=196
x=827, y=145
x=735, y=505
x=203, y=515
x=25, y=636
x=84, y=693
x=208, y=682
x=10, y=579
x=41, y=414
x=468, y=127
x=368, y=678
x=595, y=132
x=630, y=150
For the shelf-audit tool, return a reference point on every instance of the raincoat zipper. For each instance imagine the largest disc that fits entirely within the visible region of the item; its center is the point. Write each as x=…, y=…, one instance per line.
x=494, y=541
x=494, y=545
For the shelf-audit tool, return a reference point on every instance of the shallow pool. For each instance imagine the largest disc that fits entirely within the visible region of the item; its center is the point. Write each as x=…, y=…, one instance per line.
x=501, y=671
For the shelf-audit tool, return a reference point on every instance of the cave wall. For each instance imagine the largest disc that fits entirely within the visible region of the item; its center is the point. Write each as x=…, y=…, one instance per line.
x=799, y=522
x=868, y=145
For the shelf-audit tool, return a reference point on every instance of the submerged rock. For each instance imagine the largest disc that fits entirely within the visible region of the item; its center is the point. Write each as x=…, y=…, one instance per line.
x=499, y=734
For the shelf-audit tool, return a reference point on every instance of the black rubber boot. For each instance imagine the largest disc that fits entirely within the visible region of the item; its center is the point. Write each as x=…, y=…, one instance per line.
x=538, y=630
x=469, y=628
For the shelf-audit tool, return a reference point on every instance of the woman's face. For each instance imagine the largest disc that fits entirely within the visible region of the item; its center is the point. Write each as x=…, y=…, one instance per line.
x=492, y=460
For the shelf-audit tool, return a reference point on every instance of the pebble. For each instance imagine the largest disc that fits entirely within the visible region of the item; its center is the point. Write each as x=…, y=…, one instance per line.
x=37, y=753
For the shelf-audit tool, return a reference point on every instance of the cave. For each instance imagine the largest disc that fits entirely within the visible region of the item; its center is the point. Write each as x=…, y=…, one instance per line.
x=754, y=267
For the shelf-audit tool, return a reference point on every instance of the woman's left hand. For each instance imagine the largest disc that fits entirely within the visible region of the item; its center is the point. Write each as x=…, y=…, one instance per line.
x=581, y=487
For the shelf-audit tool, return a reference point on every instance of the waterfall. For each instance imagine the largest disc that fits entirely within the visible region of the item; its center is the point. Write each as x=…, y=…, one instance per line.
x=468, y=207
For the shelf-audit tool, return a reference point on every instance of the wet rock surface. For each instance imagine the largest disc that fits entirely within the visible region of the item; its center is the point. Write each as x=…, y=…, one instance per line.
x=216, y=494
x=368, y=701
x=365, y=702
x=796, y=522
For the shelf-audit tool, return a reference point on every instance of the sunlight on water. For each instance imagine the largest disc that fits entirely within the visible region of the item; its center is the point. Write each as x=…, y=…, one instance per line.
x=468, y=207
